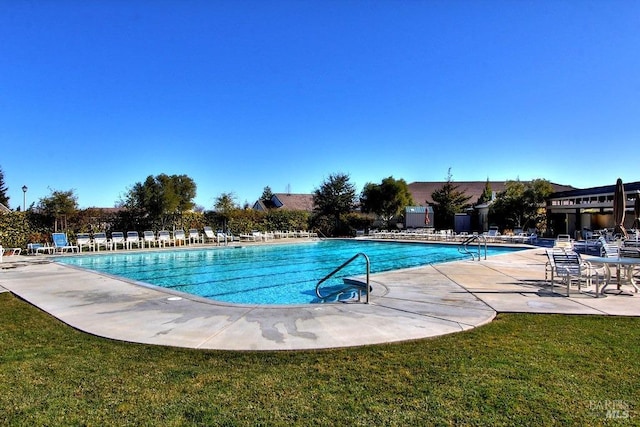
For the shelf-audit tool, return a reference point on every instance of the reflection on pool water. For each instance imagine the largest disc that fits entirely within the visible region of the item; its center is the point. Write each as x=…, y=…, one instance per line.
x=267, y=274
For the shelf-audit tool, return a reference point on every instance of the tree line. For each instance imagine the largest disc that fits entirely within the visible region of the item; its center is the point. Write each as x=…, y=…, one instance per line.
x=166, y=202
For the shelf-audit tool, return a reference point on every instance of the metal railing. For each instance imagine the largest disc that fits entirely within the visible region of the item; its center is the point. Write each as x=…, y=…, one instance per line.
x=320, y=234
x=482, y=243
x=350, y=286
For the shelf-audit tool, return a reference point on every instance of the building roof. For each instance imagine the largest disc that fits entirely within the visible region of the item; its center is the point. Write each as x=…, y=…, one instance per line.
x=422, y=191
x=294, y=202
x=3, y=208
x=595, y=199
x=629, y=188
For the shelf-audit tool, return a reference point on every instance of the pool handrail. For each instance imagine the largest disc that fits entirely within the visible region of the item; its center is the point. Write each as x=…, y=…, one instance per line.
x=344, y=264
x=480, y=239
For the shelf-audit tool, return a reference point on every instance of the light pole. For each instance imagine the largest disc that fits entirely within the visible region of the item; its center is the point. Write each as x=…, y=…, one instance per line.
x=24, y=198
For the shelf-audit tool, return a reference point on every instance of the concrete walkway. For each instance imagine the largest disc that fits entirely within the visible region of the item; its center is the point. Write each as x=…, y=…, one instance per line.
x=407, y=304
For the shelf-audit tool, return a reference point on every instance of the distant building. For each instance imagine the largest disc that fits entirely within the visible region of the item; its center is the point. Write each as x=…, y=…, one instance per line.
x=293, y=202
x=4, y=209
x=572, y=211
x=422, y=191
x=422, y=196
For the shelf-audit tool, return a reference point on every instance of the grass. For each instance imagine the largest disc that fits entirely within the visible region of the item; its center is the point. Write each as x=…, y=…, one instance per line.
x=518, y=370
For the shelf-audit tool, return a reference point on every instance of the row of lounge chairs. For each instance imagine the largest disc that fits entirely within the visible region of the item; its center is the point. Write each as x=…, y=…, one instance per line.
x=629, y=248
x=449, y=236
x=149, y=239
x=130, y=240
x=259, y=236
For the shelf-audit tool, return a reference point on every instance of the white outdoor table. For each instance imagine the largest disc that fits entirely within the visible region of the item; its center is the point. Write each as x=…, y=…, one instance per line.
x=627, y=263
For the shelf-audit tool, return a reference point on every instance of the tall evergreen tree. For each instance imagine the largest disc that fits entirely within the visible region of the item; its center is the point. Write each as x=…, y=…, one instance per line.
x=335, y=197
x=449, y=200
x=487, y=194
x=267, y=194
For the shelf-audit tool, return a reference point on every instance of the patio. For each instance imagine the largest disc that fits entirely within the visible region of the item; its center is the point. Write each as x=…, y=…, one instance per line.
x=406, y=305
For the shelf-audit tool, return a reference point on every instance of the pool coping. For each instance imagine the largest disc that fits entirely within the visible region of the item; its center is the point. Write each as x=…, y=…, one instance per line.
x=421, y=302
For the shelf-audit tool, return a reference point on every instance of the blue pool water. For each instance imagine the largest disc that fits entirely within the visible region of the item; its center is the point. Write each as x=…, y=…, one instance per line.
x=270, y=274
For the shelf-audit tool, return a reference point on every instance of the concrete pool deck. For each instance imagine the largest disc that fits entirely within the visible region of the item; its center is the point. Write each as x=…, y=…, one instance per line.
x=405, y=305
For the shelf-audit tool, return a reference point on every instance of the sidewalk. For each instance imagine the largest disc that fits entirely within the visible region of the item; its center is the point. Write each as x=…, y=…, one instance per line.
x=407, y=304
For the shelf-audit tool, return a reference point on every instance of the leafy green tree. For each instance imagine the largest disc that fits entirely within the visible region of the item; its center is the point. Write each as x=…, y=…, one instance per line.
x=224, y=206
x=59, y=205
x=507, y=210
x=386, y=199
x=449, y=200
x=335, y=197
x=4, y=198
x=521, y=205
x=185, y=190
x=159, y=199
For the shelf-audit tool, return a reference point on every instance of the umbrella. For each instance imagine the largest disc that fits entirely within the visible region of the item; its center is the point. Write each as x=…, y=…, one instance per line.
x=619, y=204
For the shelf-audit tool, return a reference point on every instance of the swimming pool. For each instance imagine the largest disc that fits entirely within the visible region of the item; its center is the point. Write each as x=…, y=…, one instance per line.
x=266, y=274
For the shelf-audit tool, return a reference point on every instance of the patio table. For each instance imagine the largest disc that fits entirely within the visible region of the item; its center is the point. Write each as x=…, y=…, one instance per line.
x=627, y=264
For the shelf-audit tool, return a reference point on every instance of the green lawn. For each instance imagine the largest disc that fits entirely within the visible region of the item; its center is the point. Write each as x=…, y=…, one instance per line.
x=518, y=370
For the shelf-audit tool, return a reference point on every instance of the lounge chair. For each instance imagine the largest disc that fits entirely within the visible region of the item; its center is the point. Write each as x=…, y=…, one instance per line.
x=563, y=241
x=493, y=234
x=570, y=268
x=84, y=240
x=32, y=248
x=179, y=236
x=194, y=236
x=164, y=238
x=133, y=238
x=100, y=240
x=222, y=237
x=9, y=252
x=117, y=239
x=149, y=239
x=209, y=235
x=249, y=237
x=61, y=243
x=588, y=245
x=42, y=249
x=629, y=252
x=608, y=250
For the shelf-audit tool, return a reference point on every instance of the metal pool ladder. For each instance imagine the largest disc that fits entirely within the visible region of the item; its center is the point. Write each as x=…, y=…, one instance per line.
x=350, y=285
x=482, y=242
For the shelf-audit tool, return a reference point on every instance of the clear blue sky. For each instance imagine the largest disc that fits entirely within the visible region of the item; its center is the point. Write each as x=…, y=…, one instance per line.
x=97, y=95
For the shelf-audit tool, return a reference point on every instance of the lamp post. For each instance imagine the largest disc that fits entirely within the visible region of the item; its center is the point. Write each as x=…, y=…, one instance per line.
x=24, y=198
